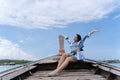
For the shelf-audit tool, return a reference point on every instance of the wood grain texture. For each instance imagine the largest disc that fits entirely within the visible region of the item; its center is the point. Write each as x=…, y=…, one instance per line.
x=81, y=74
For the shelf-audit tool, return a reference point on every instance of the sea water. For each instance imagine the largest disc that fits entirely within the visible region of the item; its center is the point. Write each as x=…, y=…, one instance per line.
x=115, y=64
x=7, y=67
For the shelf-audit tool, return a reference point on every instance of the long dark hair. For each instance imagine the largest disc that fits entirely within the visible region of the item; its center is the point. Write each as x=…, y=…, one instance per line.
x=78, y=37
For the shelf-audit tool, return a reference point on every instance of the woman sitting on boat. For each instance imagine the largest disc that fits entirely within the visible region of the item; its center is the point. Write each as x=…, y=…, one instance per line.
x=75, y=54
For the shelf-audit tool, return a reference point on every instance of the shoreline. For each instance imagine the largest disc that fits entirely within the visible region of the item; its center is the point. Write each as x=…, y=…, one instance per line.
x=13, y=62
x=110, y=61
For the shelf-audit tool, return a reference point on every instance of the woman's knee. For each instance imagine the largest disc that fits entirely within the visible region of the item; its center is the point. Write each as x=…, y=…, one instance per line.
x=68, y=59
x=64, y=55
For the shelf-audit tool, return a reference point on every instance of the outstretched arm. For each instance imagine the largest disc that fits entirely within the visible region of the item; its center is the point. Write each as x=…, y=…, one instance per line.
x=89, y=34
x=92, y=32
x=83, y=40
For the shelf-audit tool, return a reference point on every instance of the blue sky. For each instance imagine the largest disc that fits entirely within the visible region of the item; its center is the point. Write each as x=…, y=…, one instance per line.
x=29, y=30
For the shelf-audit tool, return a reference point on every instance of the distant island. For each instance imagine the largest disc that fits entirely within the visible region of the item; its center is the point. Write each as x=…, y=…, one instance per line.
x=15, y=62
x=12, y=62
x=111, y=61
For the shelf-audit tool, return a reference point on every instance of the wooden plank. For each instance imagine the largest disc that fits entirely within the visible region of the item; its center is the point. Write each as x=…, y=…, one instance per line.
x=78, y=74
x=46, y=60
x=67, y=75
x=49, y=60
x=13, y=73
x=108, y=68
x=66, y=78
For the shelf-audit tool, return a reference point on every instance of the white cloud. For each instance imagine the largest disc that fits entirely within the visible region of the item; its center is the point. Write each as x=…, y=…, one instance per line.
x=9, y=50
x=46, y=14
x=117, y=17
x=21, y=41
x=25, y=40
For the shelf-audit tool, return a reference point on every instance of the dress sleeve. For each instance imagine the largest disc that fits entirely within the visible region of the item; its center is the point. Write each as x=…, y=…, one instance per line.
x=68, y=40
x=81, y=43
x=87, y=36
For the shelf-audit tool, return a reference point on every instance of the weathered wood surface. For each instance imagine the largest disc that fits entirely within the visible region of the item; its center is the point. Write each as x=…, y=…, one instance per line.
x=82, y=70
x=81, y=74
x=51, y=59
x=13, y=73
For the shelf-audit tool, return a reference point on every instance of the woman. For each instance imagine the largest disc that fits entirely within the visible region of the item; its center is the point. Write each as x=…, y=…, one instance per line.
x=75, y=54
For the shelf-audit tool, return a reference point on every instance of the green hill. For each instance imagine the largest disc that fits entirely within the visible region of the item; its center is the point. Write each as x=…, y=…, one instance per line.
x=3, y=61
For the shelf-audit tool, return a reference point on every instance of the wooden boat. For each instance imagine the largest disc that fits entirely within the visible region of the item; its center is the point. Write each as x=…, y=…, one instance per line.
x=81, y=70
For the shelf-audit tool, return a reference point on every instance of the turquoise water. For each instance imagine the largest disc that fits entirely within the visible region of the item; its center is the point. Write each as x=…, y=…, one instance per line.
x=7, y=67
x=116, y=64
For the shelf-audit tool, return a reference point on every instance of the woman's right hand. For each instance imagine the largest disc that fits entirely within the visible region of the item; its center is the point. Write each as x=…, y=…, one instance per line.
x=93, y=31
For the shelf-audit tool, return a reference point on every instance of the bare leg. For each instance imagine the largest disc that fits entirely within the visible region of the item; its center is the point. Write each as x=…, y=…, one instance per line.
x=62, y=59
x=64, y=64
x=61, y=45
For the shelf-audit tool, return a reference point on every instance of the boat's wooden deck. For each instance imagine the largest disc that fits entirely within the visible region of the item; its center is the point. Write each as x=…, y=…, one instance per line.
x=81, y=74
x=81, y=70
